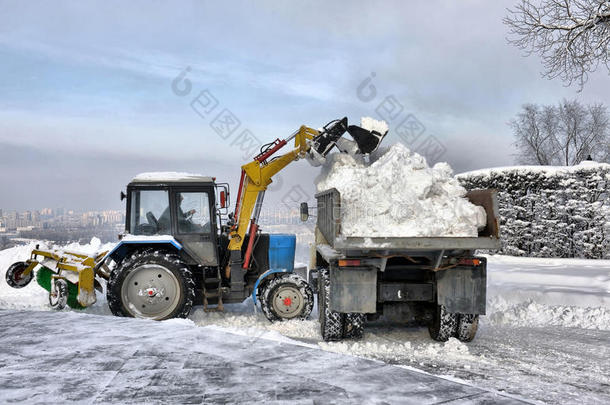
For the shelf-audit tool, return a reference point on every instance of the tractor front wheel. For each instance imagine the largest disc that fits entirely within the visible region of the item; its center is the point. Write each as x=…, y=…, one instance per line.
x=288, y=296
x=151, y=284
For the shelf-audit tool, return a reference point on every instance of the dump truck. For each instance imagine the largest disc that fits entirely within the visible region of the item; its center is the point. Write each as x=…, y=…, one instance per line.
x=182, y=246
x=434, y=281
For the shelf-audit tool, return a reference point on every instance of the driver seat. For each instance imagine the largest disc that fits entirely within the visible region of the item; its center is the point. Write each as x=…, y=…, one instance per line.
x=152, y=221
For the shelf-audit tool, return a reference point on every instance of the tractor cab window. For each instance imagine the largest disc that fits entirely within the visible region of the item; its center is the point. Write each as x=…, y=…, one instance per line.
x=193, y=212
x=149, y=212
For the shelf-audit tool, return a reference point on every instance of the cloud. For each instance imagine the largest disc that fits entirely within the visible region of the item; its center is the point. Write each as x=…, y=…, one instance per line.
x=91, y=80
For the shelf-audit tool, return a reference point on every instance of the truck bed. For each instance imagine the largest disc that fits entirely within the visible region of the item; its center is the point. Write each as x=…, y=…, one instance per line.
x=329, y=224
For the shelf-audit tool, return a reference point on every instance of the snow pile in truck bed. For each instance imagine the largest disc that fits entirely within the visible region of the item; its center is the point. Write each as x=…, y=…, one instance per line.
x=398, y=194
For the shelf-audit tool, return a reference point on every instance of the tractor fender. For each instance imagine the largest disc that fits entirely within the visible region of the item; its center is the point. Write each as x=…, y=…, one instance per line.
x=262, y=277
x=123, y=248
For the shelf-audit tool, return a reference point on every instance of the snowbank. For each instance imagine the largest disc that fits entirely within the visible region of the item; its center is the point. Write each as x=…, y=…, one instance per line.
x=397, y=194
x=528, y=292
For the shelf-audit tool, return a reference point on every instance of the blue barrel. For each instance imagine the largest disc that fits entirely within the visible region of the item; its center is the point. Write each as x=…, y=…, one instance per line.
x=281, y=251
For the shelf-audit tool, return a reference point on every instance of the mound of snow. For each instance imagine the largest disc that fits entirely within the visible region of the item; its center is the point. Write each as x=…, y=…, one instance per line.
x=535, y=314
x=398, y=194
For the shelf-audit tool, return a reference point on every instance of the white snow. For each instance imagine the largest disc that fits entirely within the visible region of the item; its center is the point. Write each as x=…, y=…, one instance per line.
x=371, y=124
x=150, y=238
x=170, y=176
x=547, y=170
x=573, y=293
x=399, y=195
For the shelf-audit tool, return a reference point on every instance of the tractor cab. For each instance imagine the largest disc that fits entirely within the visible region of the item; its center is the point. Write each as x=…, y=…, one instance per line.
x=178, y=206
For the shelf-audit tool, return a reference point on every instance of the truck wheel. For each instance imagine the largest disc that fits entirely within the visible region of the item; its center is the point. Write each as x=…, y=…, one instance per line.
x=354, y=326
x=287, y=296
x=331, y=322
x=444, y=324
x=151, y=284
x=14, y=275
x=467, y=327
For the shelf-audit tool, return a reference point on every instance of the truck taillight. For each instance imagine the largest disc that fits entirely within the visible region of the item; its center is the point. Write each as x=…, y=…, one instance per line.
x=349, y=262
x=469, y=262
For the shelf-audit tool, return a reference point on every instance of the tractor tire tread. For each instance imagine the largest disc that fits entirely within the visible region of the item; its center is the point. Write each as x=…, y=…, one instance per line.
x=118, y=274
x=286, y=278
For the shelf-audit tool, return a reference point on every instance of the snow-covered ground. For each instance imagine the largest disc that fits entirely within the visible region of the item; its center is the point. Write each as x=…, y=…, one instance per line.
x=546, y=336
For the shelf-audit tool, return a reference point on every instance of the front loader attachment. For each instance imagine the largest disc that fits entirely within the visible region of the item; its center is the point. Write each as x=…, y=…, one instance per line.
x=367, y=141
x=364, y=141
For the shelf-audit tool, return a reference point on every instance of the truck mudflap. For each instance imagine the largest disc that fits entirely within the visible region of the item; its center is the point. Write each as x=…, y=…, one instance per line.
x=463, y=290
x=353, y=289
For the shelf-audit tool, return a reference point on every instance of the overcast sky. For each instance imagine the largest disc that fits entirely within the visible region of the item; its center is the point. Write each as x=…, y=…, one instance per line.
x=86, y=97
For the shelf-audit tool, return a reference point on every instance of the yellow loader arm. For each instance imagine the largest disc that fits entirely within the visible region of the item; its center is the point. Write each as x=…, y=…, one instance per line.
x=256, y=177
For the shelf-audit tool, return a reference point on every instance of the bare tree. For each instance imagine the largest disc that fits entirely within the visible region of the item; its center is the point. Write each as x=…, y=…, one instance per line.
x=565, y=134
x=534, y=140
x=571, y=36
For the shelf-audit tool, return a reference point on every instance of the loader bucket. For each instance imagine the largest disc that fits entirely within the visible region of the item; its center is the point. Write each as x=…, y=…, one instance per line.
x=328, y=137
x=367, y=141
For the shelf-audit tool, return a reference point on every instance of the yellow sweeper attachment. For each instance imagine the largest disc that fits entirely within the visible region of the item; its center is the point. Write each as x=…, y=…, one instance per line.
x=68, y=276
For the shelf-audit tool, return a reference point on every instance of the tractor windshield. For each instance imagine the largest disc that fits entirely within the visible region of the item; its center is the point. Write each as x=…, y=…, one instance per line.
x=149, y=212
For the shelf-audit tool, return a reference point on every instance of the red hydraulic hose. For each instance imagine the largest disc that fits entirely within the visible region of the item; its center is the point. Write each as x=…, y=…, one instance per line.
x=265, y=155
x=253, y=231
x=241, y=186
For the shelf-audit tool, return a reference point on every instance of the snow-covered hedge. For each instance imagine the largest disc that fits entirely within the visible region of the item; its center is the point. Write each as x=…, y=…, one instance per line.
x=550, y=211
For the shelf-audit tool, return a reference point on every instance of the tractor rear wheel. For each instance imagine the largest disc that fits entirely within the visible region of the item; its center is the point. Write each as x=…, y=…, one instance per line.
x=331, y=323
x=287, y=296
x=444, y=324
x=151, y=284
x=14, y=275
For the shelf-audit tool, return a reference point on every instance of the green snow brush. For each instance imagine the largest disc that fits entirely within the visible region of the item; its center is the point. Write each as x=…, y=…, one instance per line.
x=44, y=277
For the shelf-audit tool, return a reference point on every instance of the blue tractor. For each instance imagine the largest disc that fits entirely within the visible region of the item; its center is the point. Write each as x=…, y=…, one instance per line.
x=182, y=247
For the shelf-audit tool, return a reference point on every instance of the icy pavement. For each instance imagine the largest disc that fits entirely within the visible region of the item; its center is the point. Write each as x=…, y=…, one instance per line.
x=57, y=357
x=546, y=336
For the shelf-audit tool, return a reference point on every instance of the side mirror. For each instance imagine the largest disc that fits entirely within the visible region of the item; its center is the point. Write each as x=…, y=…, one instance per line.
x=223, y=199
x=304, y=212
x=123, y=196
